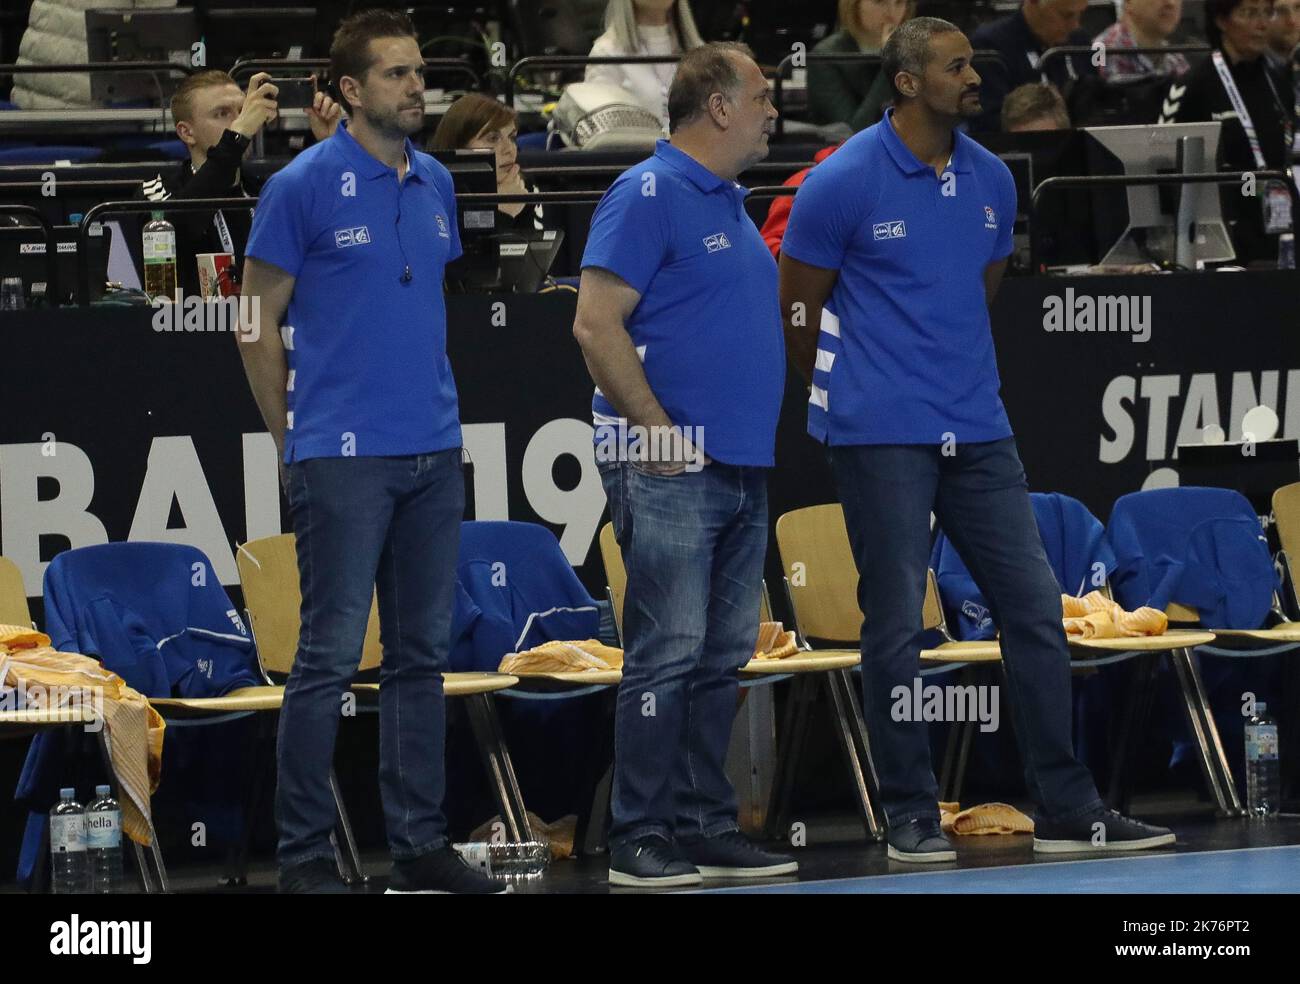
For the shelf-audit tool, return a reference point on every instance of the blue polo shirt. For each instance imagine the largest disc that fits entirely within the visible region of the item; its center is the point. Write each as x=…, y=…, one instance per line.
x=708, y=325
x=367, y=352
x=905, y=353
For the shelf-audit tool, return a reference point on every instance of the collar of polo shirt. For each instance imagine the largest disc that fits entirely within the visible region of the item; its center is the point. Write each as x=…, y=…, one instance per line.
x=369, y=166
x=959, y=162
x=699, y=175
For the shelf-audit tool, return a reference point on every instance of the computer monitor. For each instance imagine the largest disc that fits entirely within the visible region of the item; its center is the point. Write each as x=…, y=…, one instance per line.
x=23, y=255
x=474, y=172
x=231, y=34
x=139, y=35
x=1141, y=223
x=526, y=259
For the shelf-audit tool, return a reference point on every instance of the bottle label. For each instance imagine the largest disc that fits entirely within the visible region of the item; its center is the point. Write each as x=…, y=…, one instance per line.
x=1261, y=742
x=159, y=247
x=67, y=833
x=476, y=856
x=103, y=830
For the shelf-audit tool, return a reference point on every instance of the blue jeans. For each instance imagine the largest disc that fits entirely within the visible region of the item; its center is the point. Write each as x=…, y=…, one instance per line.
x=693, y=546
x=981, y=500
x=361, y=525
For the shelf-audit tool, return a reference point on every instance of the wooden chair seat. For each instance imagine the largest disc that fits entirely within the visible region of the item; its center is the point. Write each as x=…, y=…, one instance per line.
x=236, y=702
x=456, y=684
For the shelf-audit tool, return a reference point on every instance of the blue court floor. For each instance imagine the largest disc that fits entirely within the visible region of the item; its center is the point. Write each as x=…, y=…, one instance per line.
x=1241, y=871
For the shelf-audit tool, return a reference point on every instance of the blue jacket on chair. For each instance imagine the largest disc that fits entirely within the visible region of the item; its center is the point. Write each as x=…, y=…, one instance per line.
x=1074, y=540
x=1196, y=546
x=153, y=613
x=519, y=591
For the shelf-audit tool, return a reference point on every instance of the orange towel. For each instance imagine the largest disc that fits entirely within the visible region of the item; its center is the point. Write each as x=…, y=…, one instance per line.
x=135, y=729
x=987, y=818
x=1094, y=616
x=774, y=641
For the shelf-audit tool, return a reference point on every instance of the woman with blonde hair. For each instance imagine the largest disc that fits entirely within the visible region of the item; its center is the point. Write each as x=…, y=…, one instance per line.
x=854, y=93
x=644, y=27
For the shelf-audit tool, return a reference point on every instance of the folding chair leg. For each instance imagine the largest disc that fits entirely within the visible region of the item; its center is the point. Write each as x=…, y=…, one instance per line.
x=957, y=752
x=858, y=759
x=589, y=835
x=1213, y=758
x=236, y=873
x=140, y=859
x=500, y=769
x=789, y=752
x=345, y=845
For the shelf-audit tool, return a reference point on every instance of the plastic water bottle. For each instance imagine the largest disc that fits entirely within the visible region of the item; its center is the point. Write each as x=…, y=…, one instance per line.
x=104, y=842
x=160, y=259
x=506, y=861
x=1263, y=775
x=68, y=845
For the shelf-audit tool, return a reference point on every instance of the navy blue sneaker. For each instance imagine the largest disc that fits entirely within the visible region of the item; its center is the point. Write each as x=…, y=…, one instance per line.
x=319, y=876
x=1103, y=830
x=732, y=855
x=441, y=872
x=651, y=862
x=920, y=841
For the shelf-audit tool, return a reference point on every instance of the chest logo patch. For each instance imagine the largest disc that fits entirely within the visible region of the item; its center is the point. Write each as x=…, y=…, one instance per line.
x=717, y=242
x=890, y=230
x=442, y=227
x=990, y=218
x=358, y=236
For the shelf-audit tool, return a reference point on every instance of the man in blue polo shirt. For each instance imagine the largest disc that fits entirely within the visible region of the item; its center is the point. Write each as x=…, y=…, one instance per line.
x=678, y=320
x=906, y=231
x=346, y=252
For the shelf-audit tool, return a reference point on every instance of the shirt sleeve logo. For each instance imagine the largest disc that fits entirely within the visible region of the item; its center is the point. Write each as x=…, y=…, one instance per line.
x=358, y=236
x=889, y=230
x=717, y=242
x=442, y=227
x=990, y=218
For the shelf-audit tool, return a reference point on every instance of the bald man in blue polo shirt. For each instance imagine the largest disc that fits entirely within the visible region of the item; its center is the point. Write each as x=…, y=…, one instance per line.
x=347, y=251
x=895, y=248
x=678, y=320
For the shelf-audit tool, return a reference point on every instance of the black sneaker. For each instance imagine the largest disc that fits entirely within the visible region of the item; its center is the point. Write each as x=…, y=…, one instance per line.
x=1103, y=830
x=318, y=876
x=650, y=862
x=732, y=855
x=441, y=872
x=920, y=841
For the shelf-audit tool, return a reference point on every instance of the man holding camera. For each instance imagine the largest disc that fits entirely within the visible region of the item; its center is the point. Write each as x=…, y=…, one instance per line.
x=217, y=122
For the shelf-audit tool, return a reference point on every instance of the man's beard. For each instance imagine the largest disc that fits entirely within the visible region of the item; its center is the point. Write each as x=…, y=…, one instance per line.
x=393, y=124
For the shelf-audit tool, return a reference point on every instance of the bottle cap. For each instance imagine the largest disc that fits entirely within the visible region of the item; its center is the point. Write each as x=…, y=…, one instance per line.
x=67, y=793
x=156, y=216
x=1260, y=707
x=102, y=790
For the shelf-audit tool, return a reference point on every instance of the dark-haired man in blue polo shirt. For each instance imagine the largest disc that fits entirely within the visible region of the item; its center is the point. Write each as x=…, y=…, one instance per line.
x=906, y=232
x=678, y=321
x=349, y=241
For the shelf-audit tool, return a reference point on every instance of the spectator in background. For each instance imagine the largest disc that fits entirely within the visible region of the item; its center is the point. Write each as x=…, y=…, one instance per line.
x=1283, y=34
x=644, y=27
x=1033, y=107
x=479, y=122
x=778, y=214
x=852, y=92
x=1238, y=72
x=1021, y=38
x=1144, y=24
x=56, y=35
x=218, y=122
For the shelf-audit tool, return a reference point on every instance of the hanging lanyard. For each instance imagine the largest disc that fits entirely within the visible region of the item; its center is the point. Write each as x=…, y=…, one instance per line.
x=1243, y=114
x=223, y=230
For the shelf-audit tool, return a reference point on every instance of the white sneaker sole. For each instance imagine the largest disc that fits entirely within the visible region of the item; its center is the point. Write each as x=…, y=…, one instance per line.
x=927, y=857
x=1088, y=847
x=770, y=871
x=635, y=881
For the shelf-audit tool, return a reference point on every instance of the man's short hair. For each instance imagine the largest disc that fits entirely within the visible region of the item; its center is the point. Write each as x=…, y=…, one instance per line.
x=183, y=98
x=1034, y=101
x=702, y=72
x=908, y=48
x=350, y=48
